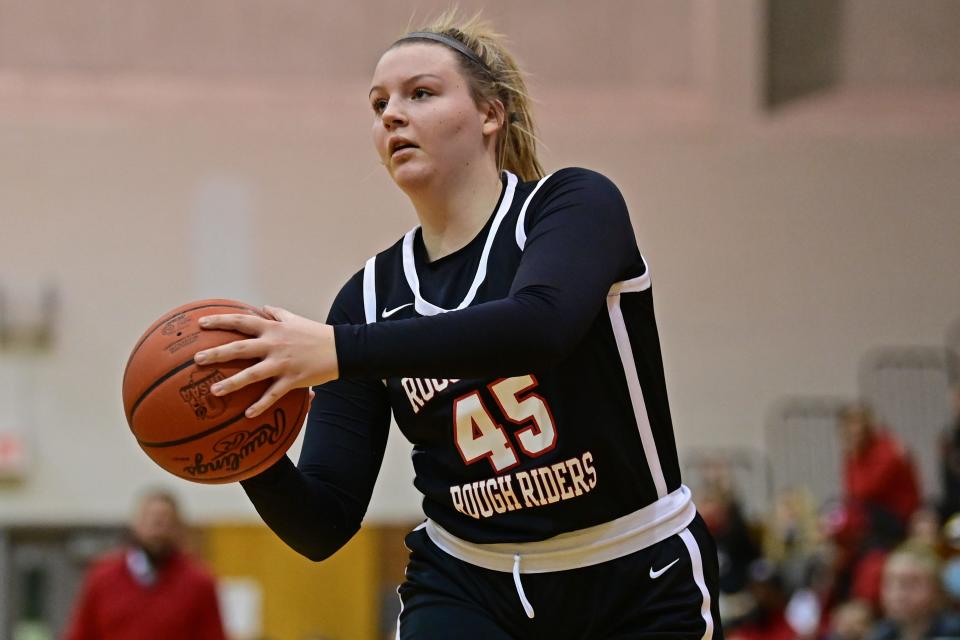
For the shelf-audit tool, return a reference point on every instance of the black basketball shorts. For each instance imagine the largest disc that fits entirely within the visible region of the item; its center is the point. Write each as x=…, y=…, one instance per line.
x=667, y=590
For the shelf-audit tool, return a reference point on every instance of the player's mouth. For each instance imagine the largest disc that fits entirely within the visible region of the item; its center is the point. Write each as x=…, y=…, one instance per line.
x=398, y=145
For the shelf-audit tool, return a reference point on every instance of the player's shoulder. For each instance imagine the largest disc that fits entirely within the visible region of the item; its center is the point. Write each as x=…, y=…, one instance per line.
x=577, y=183
x=580, y=176
x=347, y=307
x=577, y=187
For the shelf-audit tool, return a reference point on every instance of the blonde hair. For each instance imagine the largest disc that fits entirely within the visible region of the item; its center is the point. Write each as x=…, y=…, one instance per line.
x=501, y=80
x=915, y=554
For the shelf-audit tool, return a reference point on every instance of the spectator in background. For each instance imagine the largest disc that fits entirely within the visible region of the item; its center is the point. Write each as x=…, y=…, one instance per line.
x=950, y=549
x=851, y=621
x=950, y=461
x=724, y=517
x=736, y=548
x=149, y=590
x=878, y=474
x=856, y=558
x=912, y=598
x=923, y=529
x=792, y=537
x=767, y=619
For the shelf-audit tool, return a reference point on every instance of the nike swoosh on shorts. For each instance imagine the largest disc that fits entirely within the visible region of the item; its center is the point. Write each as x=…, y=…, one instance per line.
x=656, y=574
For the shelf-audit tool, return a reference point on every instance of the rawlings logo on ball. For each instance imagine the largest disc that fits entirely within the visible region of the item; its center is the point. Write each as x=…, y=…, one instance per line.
x=234, y=448
x=205, y=405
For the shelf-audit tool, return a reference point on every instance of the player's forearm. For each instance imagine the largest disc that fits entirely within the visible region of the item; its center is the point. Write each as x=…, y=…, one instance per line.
x=511, y=336
x=309, y=515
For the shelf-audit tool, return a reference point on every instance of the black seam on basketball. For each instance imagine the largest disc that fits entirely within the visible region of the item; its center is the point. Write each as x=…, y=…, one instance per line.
x=156, y=383
x=159, y=323
x=191, y=438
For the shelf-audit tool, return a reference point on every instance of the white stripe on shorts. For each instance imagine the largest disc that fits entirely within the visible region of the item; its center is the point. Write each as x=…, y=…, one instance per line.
x=399, y=597
x=697, y=561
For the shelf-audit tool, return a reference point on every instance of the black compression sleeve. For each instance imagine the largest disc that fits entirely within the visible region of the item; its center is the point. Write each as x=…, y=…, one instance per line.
x=317, y=506
x=580, y=242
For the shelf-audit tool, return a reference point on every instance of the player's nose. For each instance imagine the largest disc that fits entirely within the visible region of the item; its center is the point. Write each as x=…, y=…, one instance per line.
x=393, y=115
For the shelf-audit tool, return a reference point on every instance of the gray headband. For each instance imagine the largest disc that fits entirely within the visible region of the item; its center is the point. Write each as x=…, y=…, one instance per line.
x=453, y=43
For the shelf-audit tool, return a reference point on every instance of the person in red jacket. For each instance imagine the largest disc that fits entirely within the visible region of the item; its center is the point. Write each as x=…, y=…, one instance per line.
x=878, y=473
x=151, y=589
x=768, y=619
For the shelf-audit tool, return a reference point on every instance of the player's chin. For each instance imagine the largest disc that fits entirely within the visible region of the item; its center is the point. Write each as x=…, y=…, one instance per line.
x=410, y=173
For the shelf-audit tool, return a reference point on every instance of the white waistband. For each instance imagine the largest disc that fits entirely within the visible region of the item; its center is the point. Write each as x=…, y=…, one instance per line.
x=581, y=548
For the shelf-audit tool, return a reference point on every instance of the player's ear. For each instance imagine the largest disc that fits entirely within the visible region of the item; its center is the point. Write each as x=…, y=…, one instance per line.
x=494, y=116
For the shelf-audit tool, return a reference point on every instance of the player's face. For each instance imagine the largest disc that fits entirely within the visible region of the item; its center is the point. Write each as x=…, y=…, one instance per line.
x=426, y=126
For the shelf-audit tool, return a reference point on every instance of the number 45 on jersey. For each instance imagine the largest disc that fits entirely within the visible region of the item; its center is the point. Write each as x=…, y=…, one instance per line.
x=477, y=434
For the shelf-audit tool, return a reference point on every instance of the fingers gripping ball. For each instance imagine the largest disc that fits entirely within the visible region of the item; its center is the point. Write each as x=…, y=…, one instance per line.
x=180, y=424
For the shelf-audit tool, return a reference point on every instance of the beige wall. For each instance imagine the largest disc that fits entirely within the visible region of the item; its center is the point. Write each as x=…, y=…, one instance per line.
x=633, y=41
x=781, y=247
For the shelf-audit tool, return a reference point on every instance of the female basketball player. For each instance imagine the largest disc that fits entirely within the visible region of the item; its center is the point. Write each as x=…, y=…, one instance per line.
x=512, y=336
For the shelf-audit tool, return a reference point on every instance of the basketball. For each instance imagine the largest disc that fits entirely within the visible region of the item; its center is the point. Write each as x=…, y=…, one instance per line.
x=180, y=424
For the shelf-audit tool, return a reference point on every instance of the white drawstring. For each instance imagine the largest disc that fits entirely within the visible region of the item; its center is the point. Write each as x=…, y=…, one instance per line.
x=527, y=607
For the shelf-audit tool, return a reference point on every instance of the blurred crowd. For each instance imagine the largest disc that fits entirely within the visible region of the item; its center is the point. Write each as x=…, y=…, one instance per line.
x=876, y=563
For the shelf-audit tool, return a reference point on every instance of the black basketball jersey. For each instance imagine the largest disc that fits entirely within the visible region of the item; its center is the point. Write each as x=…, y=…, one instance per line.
x=525, y=455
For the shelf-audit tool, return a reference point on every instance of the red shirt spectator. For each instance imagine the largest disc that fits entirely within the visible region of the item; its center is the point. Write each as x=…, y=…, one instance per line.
x=773, y=628
x=877, y=471
x=151, y=590
x=768, y=620
x=867, y=577
x=120, y=602
x=857, y=562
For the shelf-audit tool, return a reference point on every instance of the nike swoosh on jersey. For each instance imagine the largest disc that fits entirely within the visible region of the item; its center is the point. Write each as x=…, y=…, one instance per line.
x=656, y=574
x=387, y=314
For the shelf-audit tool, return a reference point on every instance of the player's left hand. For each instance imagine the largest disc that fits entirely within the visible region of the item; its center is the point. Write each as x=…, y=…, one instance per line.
x=295, y=351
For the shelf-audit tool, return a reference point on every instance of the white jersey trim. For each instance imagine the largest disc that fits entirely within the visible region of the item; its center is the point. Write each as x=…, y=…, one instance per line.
x=426, y=308
x=696, y=560
x=521, y=233
x=633, y=285
x=370, y=290
x=625, y=349
x=627, y=534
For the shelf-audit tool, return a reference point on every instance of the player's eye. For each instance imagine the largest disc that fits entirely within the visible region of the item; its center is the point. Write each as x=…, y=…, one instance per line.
x=379, y=105
x=420, y=93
